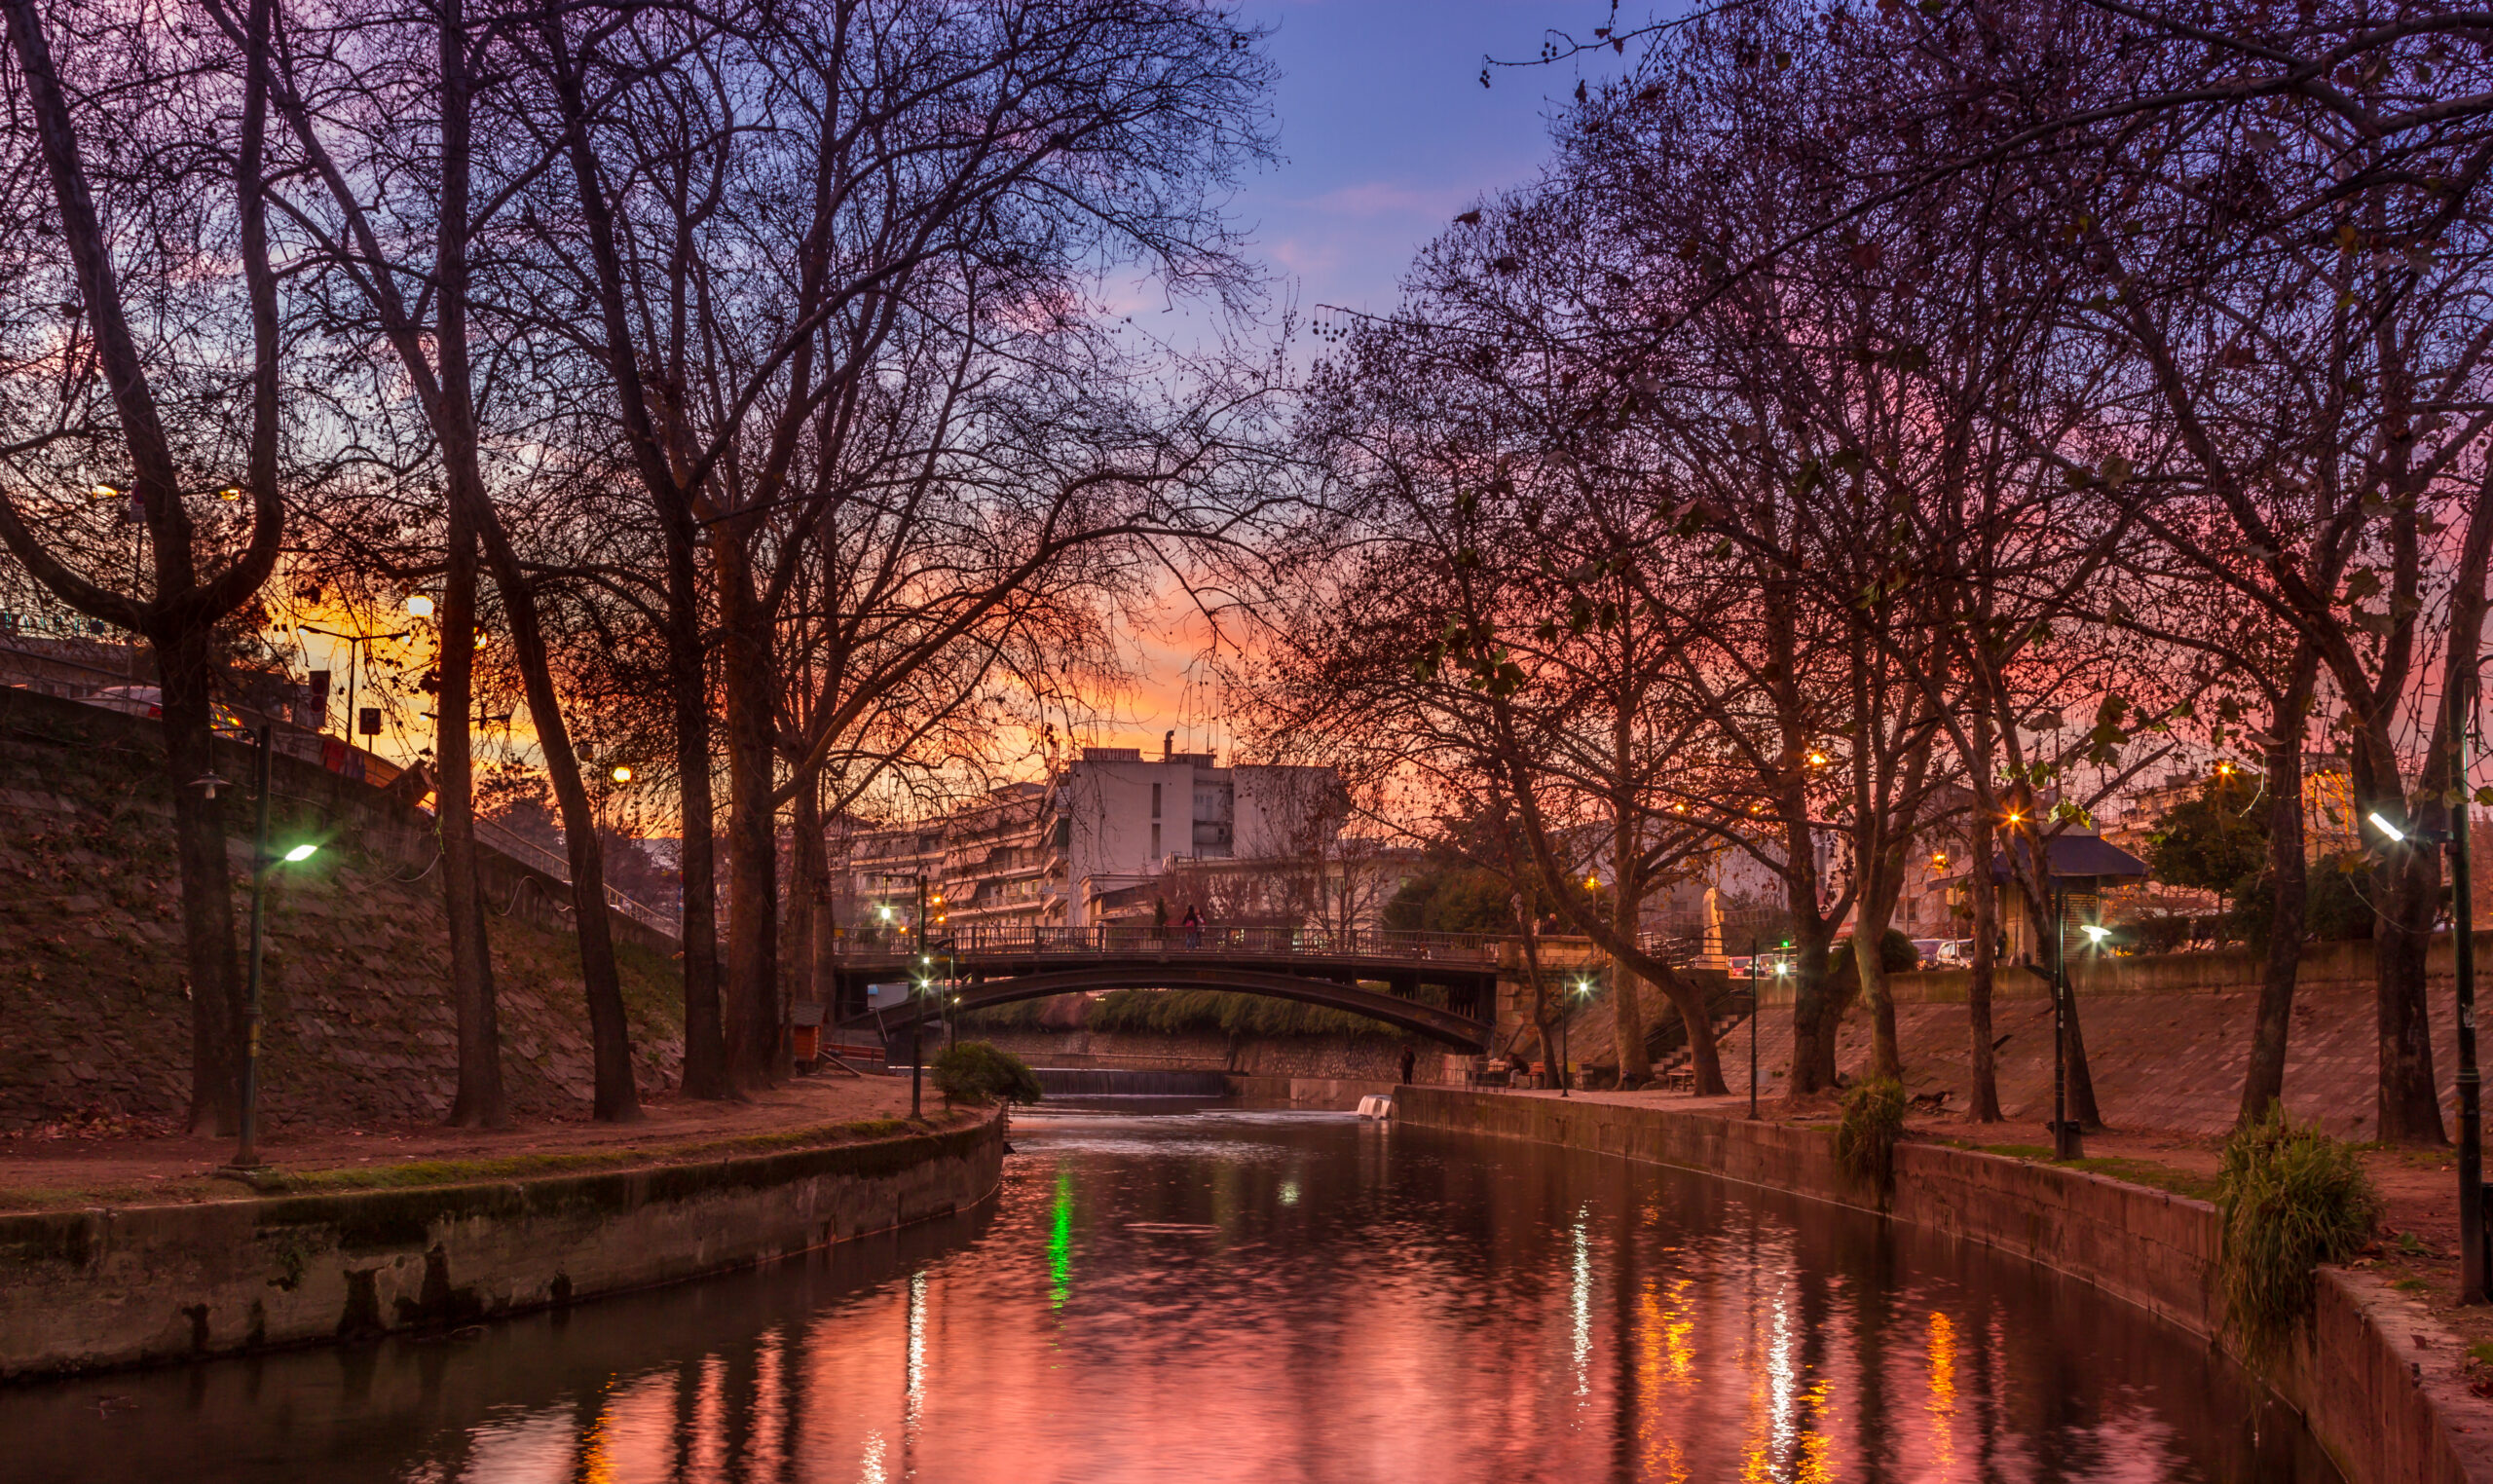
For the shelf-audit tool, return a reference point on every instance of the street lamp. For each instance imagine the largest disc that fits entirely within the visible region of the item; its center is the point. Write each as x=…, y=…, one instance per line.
x=355, y=644
x=420, y=606
x=247, y=1155
x=1567, y=1043
x=1753, y=1013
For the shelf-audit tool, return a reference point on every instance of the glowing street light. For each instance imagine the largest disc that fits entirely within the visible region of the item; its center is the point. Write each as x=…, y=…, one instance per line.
x=300, y=854
x=420, y=606
x=2396, y=836
x=621, y=773
x=2096, y=933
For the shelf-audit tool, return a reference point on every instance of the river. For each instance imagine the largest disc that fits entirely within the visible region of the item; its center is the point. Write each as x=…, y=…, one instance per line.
x=1233, y=1295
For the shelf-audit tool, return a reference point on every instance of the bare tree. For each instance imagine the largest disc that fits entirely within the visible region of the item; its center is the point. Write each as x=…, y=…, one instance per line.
x=153, y=345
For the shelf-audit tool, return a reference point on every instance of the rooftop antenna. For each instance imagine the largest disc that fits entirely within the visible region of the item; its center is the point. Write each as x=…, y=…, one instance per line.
x=1168, y=744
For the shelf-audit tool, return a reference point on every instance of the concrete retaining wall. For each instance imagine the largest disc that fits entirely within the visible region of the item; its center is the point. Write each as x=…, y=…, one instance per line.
x=2345, y=963
x=2376, y=1380
x=92, y=1289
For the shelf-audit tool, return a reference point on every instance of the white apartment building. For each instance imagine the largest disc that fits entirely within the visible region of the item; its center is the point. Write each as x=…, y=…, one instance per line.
x=1066, y=852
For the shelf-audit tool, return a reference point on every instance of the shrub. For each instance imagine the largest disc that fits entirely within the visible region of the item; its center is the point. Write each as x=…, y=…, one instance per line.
x=1865, y=1136
x=2289, y=1198
x=975, y=1071
x=1896, y=955
x=2334, y=909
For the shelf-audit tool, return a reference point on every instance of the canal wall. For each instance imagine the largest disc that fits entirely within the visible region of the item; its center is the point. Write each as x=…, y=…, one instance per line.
x=2376, y=1380
x=2166, y=1037
x=91, y=1289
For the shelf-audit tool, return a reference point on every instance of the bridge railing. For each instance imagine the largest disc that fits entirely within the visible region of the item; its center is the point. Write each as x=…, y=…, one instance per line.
x=1002, y=940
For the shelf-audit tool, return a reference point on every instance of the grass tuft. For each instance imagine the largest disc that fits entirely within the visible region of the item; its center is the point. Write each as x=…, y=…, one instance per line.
x=1865, y=1136
x=2290, y=1199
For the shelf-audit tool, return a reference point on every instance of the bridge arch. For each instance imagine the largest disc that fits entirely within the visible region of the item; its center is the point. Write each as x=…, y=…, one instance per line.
x=1459, y=1031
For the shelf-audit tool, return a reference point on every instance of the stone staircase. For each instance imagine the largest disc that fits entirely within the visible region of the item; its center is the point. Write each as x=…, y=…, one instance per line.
x=1667, y=1039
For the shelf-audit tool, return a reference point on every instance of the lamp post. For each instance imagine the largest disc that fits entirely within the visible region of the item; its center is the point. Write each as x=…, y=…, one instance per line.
x=246, y=1156
x=356, y=643
x=1753, y=1013
x=2066, y=1143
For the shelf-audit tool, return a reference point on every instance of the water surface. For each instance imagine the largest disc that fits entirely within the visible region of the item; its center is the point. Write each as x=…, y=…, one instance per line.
x=1225, y=1295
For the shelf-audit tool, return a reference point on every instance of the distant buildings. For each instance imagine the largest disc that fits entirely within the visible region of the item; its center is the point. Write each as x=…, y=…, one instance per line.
x=1101, y=841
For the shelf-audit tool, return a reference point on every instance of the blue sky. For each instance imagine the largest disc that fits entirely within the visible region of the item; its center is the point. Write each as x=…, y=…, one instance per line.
x=1386, y=131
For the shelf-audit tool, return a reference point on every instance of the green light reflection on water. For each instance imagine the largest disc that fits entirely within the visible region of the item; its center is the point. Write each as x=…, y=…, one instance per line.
x=1060, y=1240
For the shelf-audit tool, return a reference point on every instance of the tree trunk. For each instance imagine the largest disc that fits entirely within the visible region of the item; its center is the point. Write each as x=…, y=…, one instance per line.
x=480, y=1101
x=1627, y=1016
x=183, y=674
x=1984, y=970
x=705, y=1048
x=1705, y=1061
x=2081, y=1076
x=809, y=870
x=1813, y=1024
x=2264, y=1076
x=2406, y=890
x=752, y=993
x=2407, y=887
x=1877, y=904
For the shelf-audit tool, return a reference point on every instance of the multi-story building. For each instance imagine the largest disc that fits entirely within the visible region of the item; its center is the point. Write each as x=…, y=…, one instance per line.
x=1088, y=845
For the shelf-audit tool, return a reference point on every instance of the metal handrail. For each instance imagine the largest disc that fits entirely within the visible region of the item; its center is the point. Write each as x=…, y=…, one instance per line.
x=1140, y=940
x=529, y=853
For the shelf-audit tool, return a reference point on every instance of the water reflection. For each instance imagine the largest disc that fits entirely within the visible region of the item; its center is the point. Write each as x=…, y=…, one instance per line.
x=1237, y=1296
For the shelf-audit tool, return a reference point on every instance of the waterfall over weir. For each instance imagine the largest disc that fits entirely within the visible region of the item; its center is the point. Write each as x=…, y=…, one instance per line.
x=1128, y=1082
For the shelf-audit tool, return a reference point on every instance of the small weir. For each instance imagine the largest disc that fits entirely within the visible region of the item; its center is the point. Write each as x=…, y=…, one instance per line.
x=1129, y=1082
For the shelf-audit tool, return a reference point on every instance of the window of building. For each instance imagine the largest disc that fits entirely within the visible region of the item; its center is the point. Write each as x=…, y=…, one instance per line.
x=1155, y=805
x=1155, y=835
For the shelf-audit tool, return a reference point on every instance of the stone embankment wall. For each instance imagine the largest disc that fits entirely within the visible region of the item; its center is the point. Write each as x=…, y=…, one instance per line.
x=2376, y=1381
x=2165, y=1037
x=360, y=1026
x=84, y=1291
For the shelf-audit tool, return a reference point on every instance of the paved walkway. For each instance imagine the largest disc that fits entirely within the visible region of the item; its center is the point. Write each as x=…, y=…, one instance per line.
x=109, y=1168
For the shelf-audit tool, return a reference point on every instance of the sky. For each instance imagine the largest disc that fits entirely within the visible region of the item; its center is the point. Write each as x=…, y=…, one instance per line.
x=1385, y=134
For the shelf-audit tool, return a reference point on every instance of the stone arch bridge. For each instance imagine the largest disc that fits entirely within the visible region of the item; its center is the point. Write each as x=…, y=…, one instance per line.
x=1376, y=973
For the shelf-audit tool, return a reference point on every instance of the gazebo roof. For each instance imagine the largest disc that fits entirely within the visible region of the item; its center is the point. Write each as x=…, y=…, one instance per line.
x=2076, y=856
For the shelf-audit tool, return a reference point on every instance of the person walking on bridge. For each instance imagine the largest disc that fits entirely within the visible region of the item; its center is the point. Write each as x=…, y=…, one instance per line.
x=1194, y=926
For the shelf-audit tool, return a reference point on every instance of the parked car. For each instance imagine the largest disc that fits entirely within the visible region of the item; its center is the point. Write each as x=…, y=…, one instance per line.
x=1928, y=948
x=1954, y=953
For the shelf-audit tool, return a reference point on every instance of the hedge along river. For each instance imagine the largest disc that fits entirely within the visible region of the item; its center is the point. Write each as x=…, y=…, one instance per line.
x=1238, y=1296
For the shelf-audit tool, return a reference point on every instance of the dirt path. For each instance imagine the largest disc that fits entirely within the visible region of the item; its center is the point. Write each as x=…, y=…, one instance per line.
x=72, y=1167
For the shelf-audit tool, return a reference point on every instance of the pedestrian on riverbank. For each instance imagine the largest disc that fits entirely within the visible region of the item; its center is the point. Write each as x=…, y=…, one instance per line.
x=1194, y=926
x=1410, y=1061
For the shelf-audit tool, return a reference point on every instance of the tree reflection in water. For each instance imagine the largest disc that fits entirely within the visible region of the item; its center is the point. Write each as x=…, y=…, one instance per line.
x=1243, y=1296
